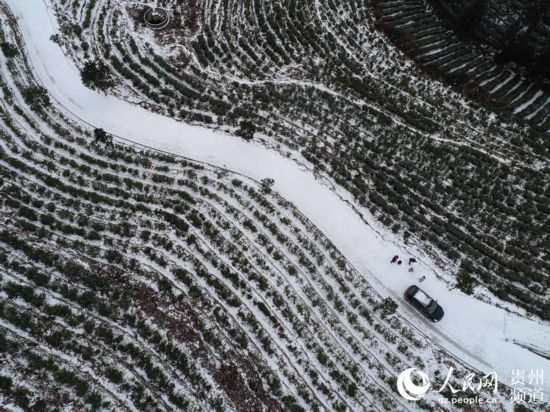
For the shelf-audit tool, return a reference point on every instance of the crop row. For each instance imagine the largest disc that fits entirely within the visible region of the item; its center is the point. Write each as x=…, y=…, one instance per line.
x=140, y=280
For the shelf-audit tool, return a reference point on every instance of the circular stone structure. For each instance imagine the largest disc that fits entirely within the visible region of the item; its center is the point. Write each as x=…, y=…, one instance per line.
x=156, y=18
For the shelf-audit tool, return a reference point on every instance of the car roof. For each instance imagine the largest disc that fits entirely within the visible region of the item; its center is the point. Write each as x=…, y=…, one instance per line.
x=422, y=297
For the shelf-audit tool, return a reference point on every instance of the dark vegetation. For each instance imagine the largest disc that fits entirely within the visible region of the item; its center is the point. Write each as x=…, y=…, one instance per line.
x=477, y=72
x=9, y=49
x=96, y=75
x=517, y=30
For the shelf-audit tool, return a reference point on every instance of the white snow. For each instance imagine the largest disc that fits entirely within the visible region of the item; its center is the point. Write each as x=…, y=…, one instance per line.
x=422, y=297
x=478, y=333
x=541, y=107
x=500, y=85
x=528, y=102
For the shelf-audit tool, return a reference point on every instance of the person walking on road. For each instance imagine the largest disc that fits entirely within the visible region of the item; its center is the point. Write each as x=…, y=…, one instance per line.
x=394, y=259
x=422, y=279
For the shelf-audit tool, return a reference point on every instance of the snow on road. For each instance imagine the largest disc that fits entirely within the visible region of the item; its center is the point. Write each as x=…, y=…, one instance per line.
x=480, y=334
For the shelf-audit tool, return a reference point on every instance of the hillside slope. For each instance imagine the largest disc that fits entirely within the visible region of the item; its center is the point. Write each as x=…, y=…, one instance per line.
x=317, y=81
x=136, y=280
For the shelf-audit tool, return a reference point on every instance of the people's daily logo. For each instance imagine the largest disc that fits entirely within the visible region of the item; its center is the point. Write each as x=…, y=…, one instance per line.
x=473, y=388
x=410, y=390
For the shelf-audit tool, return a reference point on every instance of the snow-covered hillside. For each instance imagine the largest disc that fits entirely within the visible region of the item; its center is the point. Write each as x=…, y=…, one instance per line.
x=183, y=267
x=317, y=81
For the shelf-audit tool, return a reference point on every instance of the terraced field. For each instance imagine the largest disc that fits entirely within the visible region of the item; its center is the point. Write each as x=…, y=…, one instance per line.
x=132, y=279
x=316, y=80
x=417, y=30
x=516, y=31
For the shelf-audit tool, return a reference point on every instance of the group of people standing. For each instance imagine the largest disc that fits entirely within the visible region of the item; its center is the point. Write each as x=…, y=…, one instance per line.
x=412, y=260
